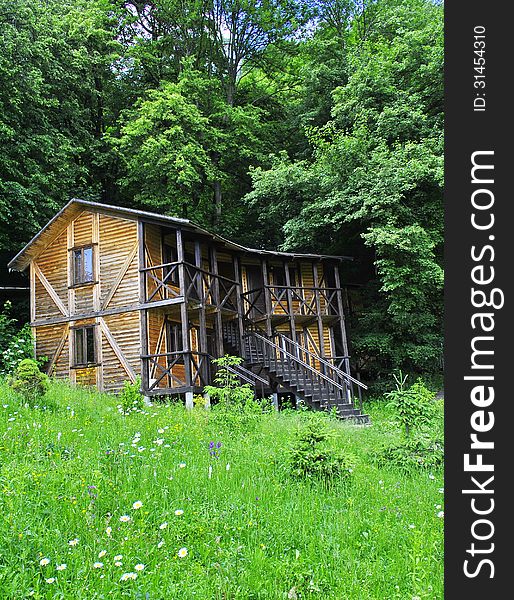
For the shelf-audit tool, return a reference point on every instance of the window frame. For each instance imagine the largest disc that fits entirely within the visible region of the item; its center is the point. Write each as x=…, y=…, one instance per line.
x=79, y=279
x=88, y=363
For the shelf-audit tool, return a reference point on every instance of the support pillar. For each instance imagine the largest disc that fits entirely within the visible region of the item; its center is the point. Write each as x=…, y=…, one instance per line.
x=189, y=400
x=186, y=348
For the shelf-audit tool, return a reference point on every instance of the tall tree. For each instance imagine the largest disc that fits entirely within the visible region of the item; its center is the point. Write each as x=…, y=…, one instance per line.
x=54, y=65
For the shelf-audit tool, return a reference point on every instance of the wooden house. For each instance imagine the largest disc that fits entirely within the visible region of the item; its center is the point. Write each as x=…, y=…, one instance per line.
x=116, y=293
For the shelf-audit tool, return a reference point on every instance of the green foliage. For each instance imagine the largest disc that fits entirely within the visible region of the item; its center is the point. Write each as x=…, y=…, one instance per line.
x=54, y=64
x=411, y=454
x=312, y=458
x=7, y=329
x=323, y=124
x=28, y=381
x=71, y=475
x=227, y=392
x=414, y=405
x=131, y=399
x=372, y=183
x=19, y=347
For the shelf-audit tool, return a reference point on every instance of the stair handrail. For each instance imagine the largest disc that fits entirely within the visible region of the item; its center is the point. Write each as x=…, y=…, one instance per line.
x=243, y=372
x=322, y=361
x=303, y=364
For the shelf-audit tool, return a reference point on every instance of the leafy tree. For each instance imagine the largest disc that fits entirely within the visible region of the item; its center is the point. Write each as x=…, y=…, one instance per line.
x=54, y=64
x=377, y=168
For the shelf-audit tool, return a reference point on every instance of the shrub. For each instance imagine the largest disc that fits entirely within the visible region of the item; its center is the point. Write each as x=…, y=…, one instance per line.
x=411, y=454
x=414, y=405
x=227, y=391
x=29, y=381
x=312, y=458
x=130, y=397
x=16, y=344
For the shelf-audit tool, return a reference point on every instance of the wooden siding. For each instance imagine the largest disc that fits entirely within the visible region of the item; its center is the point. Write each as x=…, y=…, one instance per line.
x=47, y=344
x=124, y=331
x=52, y=266
x=118, y=242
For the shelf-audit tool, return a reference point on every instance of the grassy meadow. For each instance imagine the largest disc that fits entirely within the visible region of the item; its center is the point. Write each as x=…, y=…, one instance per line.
x=96, y=504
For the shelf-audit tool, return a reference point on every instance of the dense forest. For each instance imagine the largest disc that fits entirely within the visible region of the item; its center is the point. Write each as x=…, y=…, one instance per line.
x=282, y=124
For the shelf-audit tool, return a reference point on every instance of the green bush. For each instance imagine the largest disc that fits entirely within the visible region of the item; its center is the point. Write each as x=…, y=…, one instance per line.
x=29, y=381
x=16, y=344
x=228, y=391
x=131, y=398
x=312, y=458
x=411, y=454
x=414, y=405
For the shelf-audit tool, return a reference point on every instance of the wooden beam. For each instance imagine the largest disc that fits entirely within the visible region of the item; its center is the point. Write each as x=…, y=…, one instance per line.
x=95, y=238
x=267, y=299
x=342, y=323
x=109, y=311
x=183, y=307
x=51, y=292
x=117, y=350
x=202, y=320
x=59, y=348
x=71, y=290
x=120, y=275
x=143, y=317
x=290, y=304
x=218, y=319
x=239, y=300
x=319, y=320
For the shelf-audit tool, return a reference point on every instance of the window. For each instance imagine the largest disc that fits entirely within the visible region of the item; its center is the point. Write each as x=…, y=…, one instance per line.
x=175, y=341
x=85, y=346
x=83, y=265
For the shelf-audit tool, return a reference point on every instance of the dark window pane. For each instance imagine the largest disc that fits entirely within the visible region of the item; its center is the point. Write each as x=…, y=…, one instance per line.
x=77, y=266
x=90, y=345
x=88, y=264
x=79, y=347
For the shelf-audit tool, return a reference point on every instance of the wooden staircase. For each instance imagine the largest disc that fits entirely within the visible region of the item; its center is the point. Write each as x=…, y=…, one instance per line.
x=294, y=368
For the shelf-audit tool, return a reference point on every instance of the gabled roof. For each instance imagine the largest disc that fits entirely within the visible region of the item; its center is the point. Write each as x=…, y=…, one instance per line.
x=75, y=206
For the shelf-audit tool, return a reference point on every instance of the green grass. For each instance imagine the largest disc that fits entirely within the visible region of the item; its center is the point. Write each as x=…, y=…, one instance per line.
x=251, y=532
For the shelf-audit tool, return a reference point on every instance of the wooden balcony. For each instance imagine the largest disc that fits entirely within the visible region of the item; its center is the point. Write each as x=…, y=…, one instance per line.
x=175, y=372
x=304, y=303
x=176, y=282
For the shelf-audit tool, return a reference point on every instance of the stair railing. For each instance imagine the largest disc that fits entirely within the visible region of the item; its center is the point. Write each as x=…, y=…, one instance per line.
x=335, y=373
x=282, y=360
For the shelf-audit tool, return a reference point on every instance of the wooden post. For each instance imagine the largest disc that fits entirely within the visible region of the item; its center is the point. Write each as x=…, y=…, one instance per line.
x=202, y=321
x=186, y=349
x=290, y=304
x=145, y=380
x=342, y=323
x=239, y=301
x=319, y=318
x=267, y=298
x=218, y=322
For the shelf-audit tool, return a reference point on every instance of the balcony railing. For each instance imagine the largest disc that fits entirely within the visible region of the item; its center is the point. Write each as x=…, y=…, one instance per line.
x=169, y=370
x=163, y=282
x=283, y=300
